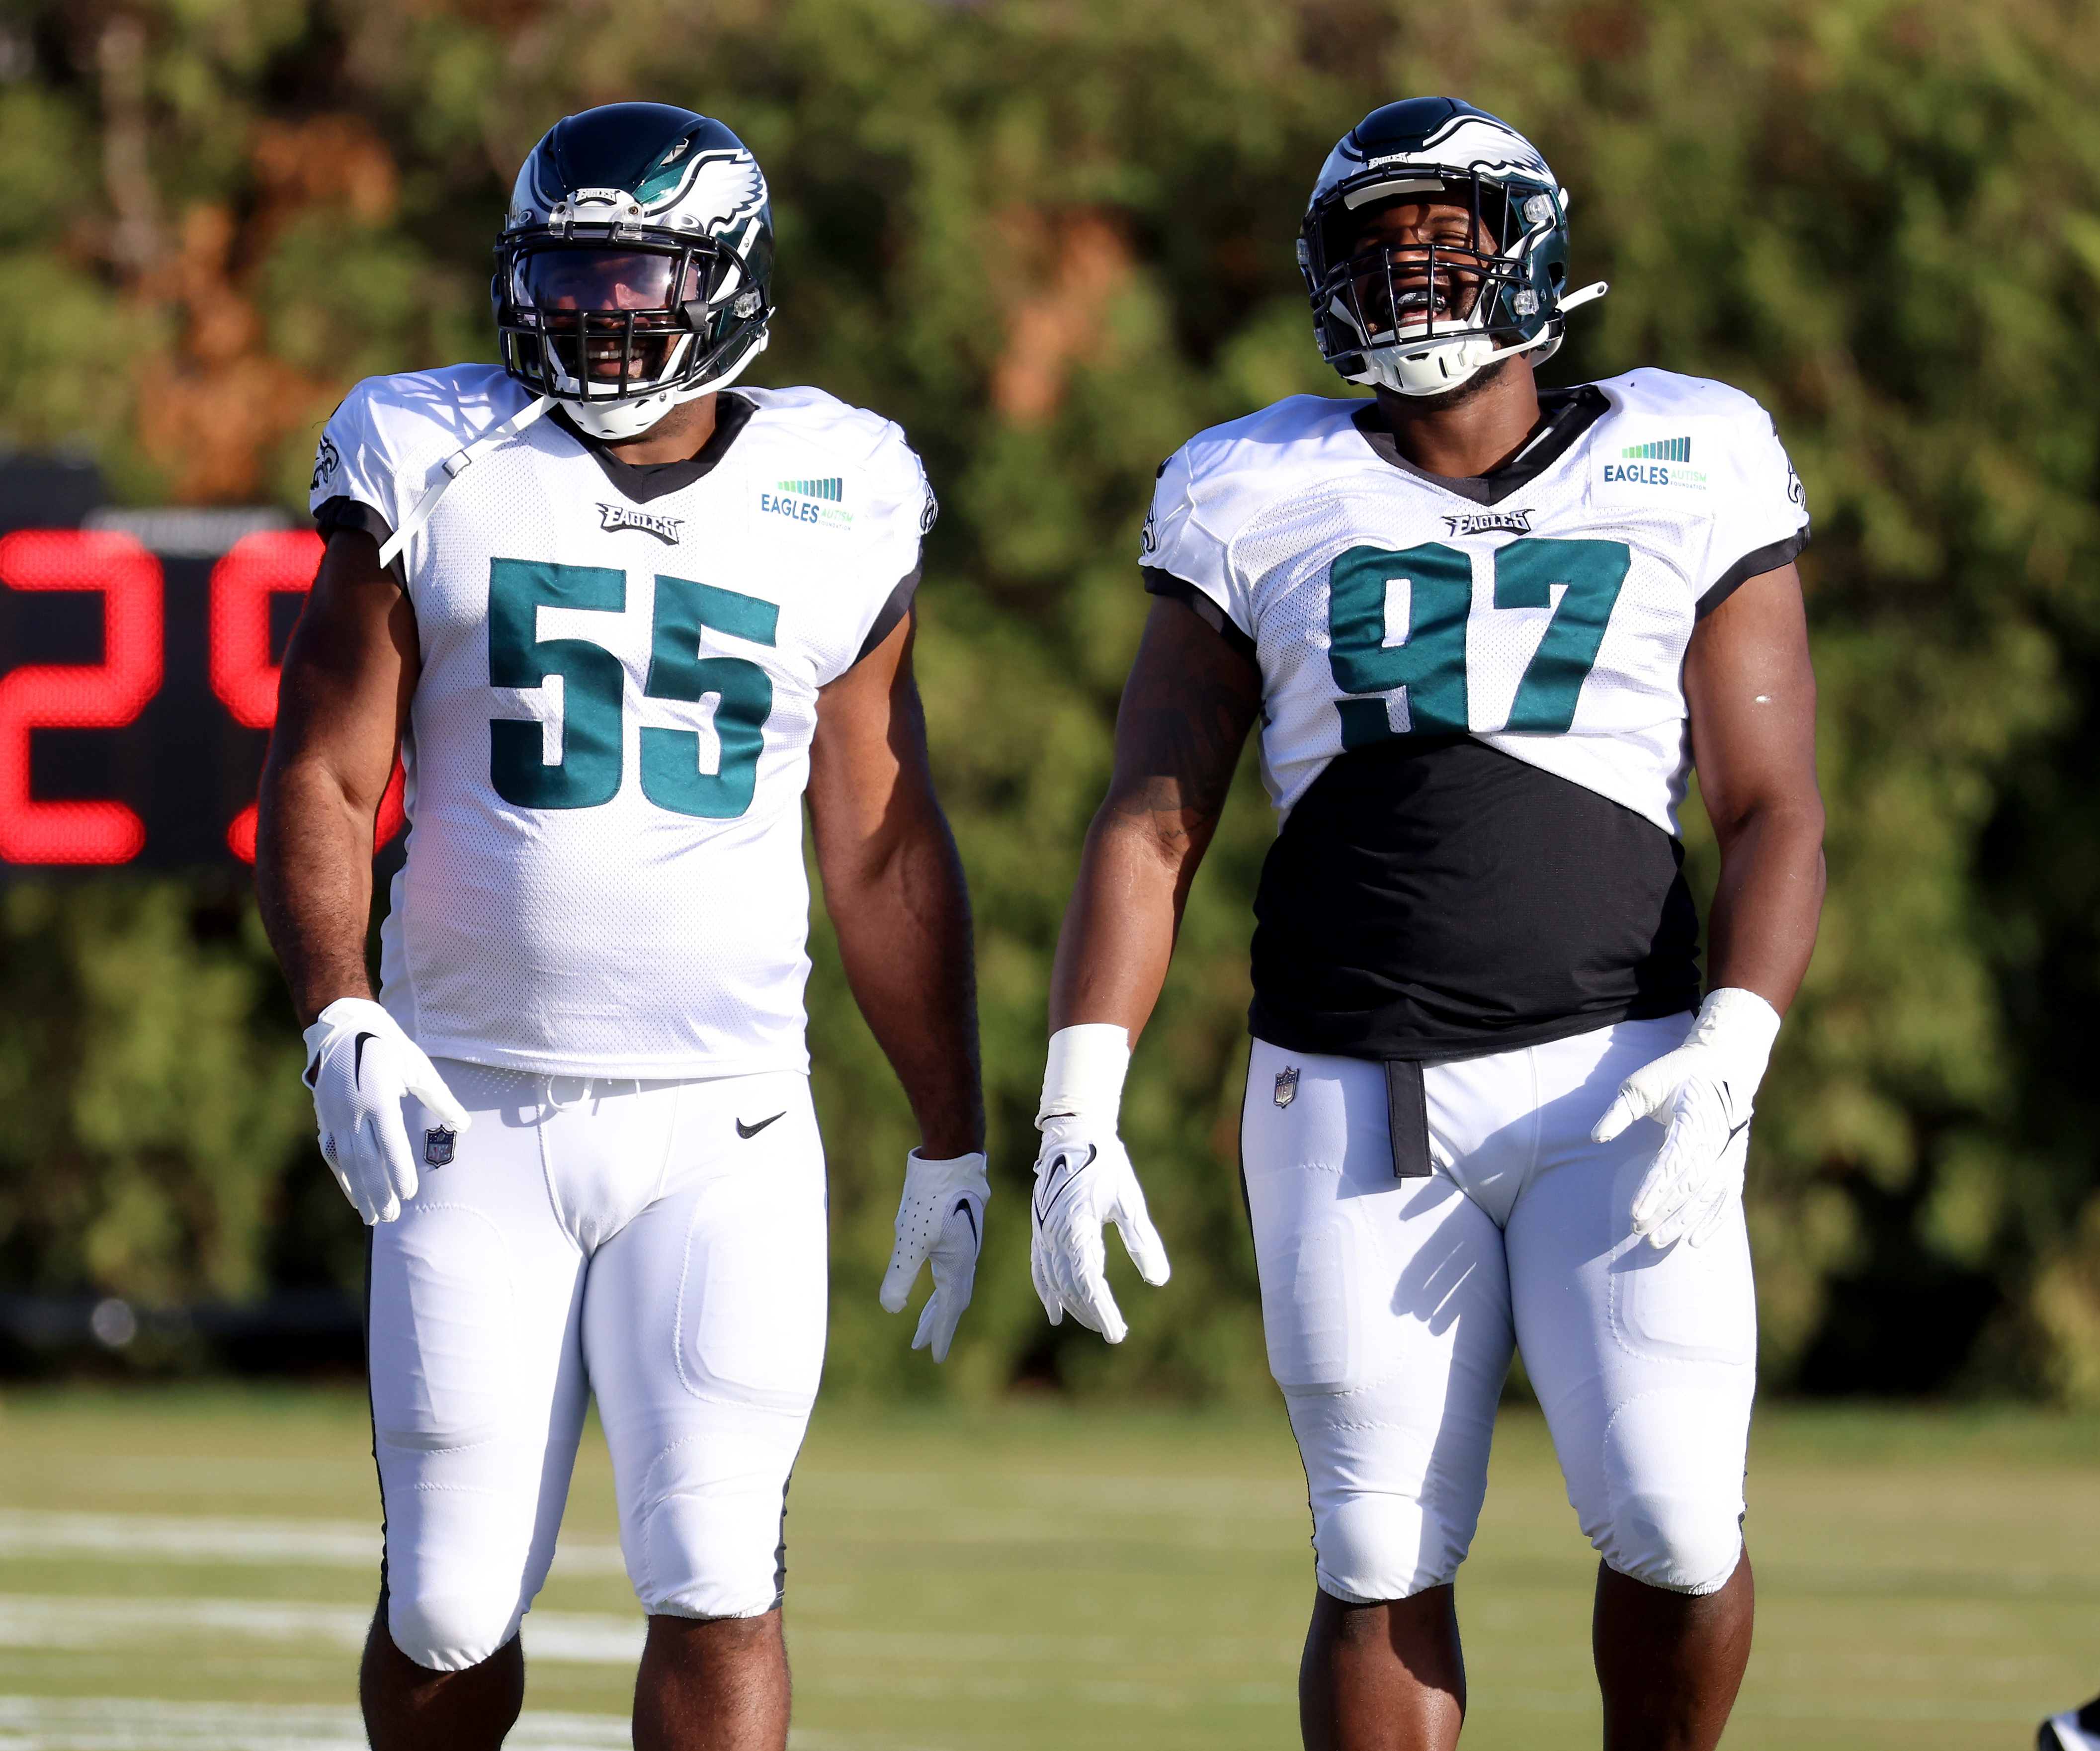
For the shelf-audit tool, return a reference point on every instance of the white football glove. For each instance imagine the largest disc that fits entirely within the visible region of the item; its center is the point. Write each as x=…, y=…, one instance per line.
x=1083, y=1180
x=361, y=1066
x=1703, y=1093
x=940, y=1216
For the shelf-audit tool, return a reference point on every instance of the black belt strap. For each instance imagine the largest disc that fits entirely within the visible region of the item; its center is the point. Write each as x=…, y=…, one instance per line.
x=1407, y=1118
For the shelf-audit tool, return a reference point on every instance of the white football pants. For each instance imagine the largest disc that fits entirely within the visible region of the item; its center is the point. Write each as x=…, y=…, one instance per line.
x=661, y=1244
x=1391, y=1307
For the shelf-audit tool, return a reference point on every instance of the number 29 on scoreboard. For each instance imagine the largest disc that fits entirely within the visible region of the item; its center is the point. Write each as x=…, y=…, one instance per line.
x=180, y=703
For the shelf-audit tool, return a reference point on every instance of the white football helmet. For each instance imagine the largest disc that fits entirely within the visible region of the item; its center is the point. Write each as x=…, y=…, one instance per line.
x=632, y=272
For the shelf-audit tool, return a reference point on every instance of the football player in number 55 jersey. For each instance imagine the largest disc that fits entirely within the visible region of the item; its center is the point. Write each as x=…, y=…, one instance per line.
x=1484, y=629
x=619, y=621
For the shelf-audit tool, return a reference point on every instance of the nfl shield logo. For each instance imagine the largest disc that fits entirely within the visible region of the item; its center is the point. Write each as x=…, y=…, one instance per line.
x=1287, y=1086
x=437, y=1147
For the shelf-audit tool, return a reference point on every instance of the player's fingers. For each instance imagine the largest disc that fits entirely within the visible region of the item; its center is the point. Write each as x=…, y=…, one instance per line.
x=1108, y=1317
x=1141, y=1240
x=928, y=1315
x=369, y=1168
x=1658, y=1193
x=1649, y=1093
x=1038, y=1273
x=1073, y=1276
x=1094, y=1305
x=905, y=1259
x=1677, y=1188
x=942, y=1313
x=388, y=1143
x=340, y=1166
x=1623, y=1111
x=1667, y=1233
x=1707, y=1221
x=954, y=1281
x=420, y=1077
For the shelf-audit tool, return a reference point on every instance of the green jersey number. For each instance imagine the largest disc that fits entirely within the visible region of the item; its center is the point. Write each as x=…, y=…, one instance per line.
x=588, y=772
x=1431, y=661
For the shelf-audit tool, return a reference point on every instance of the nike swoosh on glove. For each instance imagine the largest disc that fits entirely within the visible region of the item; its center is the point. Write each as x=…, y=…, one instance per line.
x=940, y=1217
x=1083, y=1180
x=1703, y=1093
x=360, y=1067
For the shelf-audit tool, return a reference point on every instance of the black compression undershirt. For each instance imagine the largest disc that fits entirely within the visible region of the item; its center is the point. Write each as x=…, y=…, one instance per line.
x=1435, y=898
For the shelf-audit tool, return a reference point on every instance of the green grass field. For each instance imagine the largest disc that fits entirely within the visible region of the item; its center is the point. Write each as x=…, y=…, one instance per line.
x=193, y=1569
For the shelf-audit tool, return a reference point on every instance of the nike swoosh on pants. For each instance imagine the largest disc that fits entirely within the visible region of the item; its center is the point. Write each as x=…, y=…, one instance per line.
x=749, y=1131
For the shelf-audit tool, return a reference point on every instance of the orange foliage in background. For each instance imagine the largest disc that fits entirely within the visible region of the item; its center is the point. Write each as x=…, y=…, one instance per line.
x=1069, y=267
x=214, y=399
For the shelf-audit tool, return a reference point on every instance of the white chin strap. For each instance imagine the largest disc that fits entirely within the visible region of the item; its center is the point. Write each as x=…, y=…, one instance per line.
x=1410, y=370
x=612, y=420
x=452, y=468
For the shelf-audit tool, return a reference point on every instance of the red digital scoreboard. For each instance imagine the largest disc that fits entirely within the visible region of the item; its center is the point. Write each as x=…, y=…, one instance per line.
x=137, y=692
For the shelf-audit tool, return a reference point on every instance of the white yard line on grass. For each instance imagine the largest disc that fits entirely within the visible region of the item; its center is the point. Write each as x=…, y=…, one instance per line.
x=53, y=1620
x=41, y=1723
x=188, y=1538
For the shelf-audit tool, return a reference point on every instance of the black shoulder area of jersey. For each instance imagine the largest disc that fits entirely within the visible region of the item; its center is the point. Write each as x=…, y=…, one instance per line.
x=640, y=482
x=616, y=145
x=1159, y=583
x=1565, y=414
x=1411, y=125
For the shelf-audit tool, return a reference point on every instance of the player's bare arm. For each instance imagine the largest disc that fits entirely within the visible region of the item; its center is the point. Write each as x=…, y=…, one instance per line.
x=1185, y=712
x=349, y=673
x=348, y=676
x=1750, y=689
x=893, y=886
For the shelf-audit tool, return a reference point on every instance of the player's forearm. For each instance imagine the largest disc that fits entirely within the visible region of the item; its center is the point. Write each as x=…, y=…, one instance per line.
x=903, y=924
x=1768, y=901
x=313, y=881
x=1119, y=932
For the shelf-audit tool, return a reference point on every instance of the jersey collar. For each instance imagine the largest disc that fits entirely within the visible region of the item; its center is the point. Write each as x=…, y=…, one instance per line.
x=640, y=482
x=1568, y=413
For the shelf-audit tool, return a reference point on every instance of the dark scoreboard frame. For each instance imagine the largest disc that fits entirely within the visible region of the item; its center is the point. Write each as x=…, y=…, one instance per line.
x=137, y=691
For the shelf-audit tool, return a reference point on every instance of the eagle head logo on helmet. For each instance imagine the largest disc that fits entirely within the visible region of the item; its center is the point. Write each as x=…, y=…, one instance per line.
x=634, y=266
x=1421, y=319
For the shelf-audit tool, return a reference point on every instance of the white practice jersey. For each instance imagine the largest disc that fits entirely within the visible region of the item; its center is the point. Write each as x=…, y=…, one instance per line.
x=1550, y=624
x=609, y=738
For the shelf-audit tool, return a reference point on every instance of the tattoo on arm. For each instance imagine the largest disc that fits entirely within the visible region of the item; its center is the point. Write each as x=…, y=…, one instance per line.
x=1186, y=712
x=1189, y=752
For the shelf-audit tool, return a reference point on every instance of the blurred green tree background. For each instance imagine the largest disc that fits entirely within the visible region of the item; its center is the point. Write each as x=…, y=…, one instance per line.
x=1053, y=238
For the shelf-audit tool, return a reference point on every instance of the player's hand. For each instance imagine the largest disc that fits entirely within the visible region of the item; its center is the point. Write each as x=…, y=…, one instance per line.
x=1083, y=1180
x=361, y=1066
x=940, y=1217
x=1703, y=1094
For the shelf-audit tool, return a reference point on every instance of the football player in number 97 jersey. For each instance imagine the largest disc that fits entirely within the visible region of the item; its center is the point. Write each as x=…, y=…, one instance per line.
x=620, y=622
x=1484, y=629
